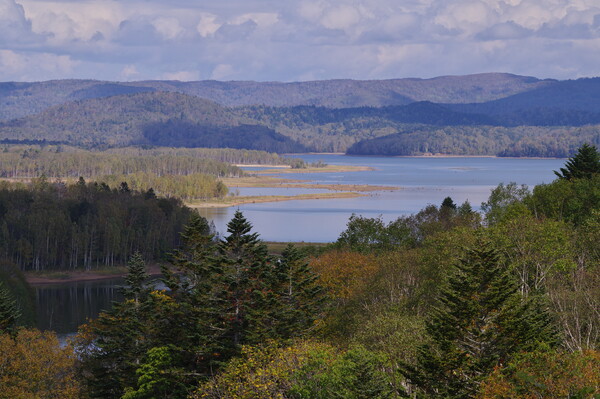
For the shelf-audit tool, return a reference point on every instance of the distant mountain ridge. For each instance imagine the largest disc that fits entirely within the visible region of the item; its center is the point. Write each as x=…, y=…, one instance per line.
x=19, y=99
x=484, y=114
x=147, y=118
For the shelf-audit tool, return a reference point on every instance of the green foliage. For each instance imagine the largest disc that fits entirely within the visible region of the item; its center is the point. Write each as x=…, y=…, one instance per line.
x=302, y=298
x=305, y=370
x=371, y=234
x=570, y=200
x=15, y=283
x=535, y=249
x=123, y=347
x=501, y=199
x=367, y=234
x=9, y=311
x=222, y=295
x=480, y=322
x=356, y=374
x=136, y=276
x=157, y=378
x=584, y=165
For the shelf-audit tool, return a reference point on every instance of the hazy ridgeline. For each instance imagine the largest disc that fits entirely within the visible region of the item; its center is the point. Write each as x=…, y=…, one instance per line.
x=488, y=114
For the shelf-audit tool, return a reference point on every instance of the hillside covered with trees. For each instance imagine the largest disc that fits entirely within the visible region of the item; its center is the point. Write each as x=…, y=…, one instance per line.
x=486, y=114
x=448, y=302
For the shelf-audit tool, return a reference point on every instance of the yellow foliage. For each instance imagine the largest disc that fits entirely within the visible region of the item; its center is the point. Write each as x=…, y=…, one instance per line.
x=546, y=375
x=345, y=273
x=33, y=365
x=262, y=372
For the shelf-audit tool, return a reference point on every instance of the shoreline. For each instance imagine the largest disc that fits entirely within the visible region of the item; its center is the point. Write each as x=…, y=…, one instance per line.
x=235, y=201
x=75, y=276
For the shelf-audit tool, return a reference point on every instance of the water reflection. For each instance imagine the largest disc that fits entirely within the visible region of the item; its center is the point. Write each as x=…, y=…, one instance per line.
x=64, y=307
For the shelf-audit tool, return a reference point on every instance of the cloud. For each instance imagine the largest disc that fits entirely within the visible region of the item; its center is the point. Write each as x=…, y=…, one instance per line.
x=32, y=66
x=222, y=71
x=129, y=72
x=300, y=39
x=236, y=32
x=15, y=28
x=504, y=31
x=184, y=76
x=207, y=26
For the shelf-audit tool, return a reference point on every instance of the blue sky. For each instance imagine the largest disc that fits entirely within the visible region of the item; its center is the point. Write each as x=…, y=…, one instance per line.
x=296, y=40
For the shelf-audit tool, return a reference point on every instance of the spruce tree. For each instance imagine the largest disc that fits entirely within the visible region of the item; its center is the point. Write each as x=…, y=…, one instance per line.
x=480, y=321
x=247, y=285
x=9, y=310
x=119, y=337
x=136, y=276
x=302, y=299
x=583, y=165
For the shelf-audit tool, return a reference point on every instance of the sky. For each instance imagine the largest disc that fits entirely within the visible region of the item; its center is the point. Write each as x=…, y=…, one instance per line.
x=296, y=40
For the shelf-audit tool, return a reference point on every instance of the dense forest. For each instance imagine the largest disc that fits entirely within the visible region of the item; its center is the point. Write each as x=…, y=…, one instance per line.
x=188, y=174
x=446, y=303
x=53, y=226
x=524, y=141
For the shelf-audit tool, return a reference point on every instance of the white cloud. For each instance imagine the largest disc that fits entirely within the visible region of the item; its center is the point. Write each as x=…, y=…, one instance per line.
x=222, y=71
x=15, y=28
x=129, y=72
x=184, y=76
x=207, y=25
x=298, y=39
x=168, y=27
x=34, y=66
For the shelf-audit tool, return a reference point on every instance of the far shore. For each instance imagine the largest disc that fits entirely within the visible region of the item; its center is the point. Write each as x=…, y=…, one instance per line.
x=76, y=276
x=72, y=276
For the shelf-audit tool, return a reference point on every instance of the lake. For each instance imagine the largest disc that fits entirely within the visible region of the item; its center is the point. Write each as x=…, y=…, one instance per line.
x=422, y=181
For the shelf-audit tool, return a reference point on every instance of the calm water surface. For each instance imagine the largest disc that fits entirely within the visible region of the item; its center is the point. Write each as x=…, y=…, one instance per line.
x=63, y=307
x=422, y=181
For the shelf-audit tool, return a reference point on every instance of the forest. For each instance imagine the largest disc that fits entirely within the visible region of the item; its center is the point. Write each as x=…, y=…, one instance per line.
x=445, y=303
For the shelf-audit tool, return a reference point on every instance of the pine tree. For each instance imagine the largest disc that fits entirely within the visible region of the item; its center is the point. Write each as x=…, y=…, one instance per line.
x=247, y=285
x=136, y=276
x=9, y=310
x=583, y=165
x=302, y=299
x=119, y=337
x=479, y=323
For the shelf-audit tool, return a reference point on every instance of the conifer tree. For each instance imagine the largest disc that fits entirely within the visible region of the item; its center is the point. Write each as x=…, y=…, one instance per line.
x=247, y=285
x=302, y=298
x=136, y=276
x=479, y=323
x=119, y=337
x=583, y=165
x=9, y=310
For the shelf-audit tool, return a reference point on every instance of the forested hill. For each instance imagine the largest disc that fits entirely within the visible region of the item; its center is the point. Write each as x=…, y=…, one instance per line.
x=486, y=114
x=152, y=118
x=21, y=99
